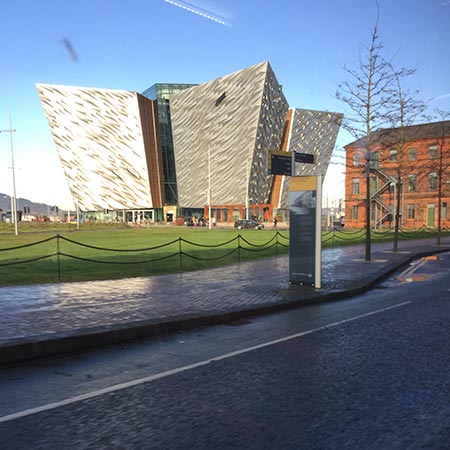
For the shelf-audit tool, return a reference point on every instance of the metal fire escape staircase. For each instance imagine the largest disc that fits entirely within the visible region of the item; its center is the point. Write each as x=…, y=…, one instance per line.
x=387, y=211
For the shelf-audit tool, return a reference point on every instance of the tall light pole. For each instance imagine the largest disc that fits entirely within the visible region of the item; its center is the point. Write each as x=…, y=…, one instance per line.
x=247, y=199
x=209, y=187
x=78, y=202
x=14, y=198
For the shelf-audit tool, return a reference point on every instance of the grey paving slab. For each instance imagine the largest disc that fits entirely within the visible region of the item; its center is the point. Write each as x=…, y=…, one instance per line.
x=44, y=313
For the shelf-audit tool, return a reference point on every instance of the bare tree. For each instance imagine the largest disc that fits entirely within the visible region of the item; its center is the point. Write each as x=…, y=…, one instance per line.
x=368, y=96
x=405, y=110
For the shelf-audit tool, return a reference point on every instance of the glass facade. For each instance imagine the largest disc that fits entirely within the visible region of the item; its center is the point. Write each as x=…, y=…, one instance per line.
x=162, y=92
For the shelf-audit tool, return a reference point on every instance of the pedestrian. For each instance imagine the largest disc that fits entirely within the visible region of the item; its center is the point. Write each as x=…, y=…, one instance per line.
x=275, y=221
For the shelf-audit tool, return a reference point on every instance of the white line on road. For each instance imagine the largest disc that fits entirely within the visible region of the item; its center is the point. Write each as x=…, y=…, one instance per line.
x=412, y=268
x=118, y=387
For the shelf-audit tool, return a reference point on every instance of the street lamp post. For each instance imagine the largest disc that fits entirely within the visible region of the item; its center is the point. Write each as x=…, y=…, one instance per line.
x=209, y=188
x=247, y=199
x=78, y=213
x=14, y=198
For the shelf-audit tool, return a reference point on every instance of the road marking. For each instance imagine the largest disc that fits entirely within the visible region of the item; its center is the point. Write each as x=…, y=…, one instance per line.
x=371, y=261
x=412, y=268
x=118, y=387
x=413, y=278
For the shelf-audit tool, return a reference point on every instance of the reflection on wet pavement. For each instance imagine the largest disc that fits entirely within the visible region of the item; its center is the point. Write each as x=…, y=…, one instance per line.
x=53, y=308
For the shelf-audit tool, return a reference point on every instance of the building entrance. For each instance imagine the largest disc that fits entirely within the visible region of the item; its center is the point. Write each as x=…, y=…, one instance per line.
x=140, y=215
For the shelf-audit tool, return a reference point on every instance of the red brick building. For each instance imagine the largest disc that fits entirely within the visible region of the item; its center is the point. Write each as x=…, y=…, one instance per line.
x=414, y=160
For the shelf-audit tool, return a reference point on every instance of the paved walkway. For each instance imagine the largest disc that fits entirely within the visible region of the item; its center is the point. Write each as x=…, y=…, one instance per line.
x=54, y=318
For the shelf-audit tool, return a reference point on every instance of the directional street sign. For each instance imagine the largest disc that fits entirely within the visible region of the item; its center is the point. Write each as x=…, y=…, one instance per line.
x=304, y=158
x=280, y=163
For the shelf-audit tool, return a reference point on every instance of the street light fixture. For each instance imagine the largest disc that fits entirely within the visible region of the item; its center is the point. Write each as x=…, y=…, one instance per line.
x=209, y=188
x=247, y=199
x=14, y=197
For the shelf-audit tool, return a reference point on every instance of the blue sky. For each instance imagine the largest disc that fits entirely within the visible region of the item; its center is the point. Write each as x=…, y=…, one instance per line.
x=134, y=44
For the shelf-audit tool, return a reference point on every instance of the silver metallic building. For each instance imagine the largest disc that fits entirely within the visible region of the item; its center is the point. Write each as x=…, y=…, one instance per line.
x=222, y=132
x=109, y=143
x=314, y=133
x=104, y=146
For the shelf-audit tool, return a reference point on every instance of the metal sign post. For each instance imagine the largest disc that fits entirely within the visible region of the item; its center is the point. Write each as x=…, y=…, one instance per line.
x=305, y=217
x=305, y=206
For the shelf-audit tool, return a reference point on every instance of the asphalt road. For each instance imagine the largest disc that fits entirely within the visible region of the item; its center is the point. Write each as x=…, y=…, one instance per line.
x=371, y=372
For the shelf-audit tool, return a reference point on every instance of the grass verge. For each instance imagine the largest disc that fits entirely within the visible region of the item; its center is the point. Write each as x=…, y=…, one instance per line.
x=112, y=254
x=100, y=254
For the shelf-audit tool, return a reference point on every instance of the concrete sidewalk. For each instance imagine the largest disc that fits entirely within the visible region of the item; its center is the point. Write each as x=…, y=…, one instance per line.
x=43, y=320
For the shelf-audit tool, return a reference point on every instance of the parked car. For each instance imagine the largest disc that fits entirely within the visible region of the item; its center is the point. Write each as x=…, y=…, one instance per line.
x=247, y=223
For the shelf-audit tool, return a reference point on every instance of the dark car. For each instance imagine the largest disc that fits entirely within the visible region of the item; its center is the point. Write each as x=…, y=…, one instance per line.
x=246, y=223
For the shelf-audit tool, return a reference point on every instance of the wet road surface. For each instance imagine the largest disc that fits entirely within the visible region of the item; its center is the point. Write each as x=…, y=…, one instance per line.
x=370, y=372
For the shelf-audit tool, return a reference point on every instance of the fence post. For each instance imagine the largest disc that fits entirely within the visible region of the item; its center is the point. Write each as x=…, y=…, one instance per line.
x=239, y=248
x=181, y=254
x=58, y=258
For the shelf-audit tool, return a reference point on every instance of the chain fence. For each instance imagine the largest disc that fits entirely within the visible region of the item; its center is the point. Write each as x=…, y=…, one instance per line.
x=60, y=258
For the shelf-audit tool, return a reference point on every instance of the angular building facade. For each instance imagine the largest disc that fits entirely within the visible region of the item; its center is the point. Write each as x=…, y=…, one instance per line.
x=223, y=131
x=183, y=145
x=313, y=133
x=108, y=145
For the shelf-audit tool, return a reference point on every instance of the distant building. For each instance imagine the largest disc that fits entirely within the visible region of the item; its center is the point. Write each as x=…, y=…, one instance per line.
x=179, y=147
x=420, y=155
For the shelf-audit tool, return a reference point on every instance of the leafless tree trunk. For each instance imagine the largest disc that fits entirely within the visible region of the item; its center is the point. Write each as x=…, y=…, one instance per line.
x=367, y=95
x=406, y=109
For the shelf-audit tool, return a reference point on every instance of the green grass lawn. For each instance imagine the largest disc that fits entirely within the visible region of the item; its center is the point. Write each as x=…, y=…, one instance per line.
x=132, y=252
x=96, y=254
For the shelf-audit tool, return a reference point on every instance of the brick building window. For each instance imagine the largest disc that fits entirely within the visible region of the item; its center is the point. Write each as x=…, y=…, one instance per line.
x=373, y=184
x=444, y=210
x=433, y=151
x=412, y=154
x=374, y=157
x=393, y=155
x=411, y=182
x=356, y=159
x=356, y=185
x=354, y=212
x=411, y=211
x=432, y=181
